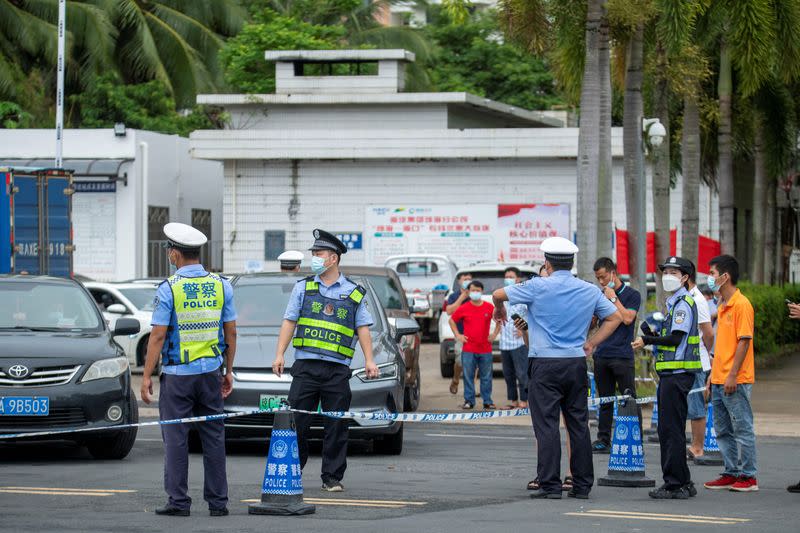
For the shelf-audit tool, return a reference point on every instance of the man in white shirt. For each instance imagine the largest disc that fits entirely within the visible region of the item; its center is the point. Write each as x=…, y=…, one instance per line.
x=697, y=405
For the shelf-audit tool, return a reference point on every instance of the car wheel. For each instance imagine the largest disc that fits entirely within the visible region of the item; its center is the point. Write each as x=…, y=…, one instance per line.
x=389, y=444
x=141, y=354
x=446, y=363
x=195, y=444
x=119, y=443
x=411, y=394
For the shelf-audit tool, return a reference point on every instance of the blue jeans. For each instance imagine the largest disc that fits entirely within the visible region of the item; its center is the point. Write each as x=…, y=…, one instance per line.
x=733, y=423
x=483, y=362
x=515, y=372
x=697, y=404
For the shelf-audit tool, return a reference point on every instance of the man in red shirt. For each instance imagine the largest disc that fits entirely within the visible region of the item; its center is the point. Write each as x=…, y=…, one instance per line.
x=476, y=320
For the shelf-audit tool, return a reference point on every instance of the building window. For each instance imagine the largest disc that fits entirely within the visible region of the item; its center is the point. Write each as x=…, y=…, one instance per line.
x=274, y=244
x=201, y=219
x=157, y=260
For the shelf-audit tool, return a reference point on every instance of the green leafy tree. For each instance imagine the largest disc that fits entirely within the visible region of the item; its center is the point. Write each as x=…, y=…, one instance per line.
x=243, y=55
x=473, y=57
x=147, y=106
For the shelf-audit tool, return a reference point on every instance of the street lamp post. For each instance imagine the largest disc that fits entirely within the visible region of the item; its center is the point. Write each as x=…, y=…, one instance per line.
x=655, y=131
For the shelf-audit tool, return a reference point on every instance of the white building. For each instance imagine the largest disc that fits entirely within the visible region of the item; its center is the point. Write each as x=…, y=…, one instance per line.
x=128, y=185
x=414, y=14
x=324, y=150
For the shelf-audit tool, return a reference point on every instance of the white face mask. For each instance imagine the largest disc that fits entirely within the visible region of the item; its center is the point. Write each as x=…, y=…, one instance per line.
x=670, y=283
x=475, y=296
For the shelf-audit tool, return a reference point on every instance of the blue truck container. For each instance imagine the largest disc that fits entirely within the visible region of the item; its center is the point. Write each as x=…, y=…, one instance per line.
x=36, y=221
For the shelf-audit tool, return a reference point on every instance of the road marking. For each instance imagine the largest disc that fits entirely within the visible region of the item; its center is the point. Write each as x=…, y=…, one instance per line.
x=59, y=491
x=385, y=504
x=490, y=437
x=694, y=519
x=71, y=489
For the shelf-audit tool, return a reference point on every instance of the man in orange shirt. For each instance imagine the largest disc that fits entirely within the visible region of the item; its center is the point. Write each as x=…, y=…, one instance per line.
x=731, y=381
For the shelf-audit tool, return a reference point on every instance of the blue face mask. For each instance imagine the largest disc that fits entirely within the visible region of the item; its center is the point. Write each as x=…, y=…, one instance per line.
x=475, y=296
x=712, y=283
x=611, y=285
x=509, y=281
x=465, y=284
x=318, y=265
x=172, y=266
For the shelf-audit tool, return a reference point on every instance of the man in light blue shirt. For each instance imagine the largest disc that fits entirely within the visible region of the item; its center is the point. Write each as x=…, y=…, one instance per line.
x=560, y=310
x=194, y=332
x=325, y=317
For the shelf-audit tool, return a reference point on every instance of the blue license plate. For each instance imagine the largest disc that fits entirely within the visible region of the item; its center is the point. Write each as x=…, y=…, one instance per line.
x=24, y=405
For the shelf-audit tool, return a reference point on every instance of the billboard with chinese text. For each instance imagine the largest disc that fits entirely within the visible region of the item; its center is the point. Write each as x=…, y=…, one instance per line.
x=523, y=227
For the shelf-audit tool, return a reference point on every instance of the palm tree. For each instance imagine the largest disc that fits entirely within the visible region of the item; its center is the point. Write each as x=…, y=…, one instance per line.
x=605, y=199
x=174, y=41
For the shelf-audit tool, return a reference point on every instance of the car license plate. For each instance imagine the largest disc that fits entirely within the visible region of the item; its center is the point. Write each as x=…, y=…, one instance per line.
x=273, y=401
x=24, y=405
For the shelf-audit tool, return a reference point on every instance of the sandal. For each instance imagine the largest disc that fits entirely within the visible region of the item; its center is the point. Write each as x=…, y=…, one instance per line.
x=467, y=405
x=454, y=387
x=567, y=484
x=534, y=485
x=489, y=407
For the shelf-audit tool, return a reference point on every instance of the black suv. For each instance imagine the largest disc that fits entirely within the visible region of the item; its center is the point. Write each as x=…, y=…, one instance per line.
x=60, y=367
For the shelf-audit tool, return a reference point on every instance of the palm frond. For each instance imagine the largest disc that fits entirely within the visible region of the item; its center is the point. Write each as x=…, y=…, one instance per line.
x=33, y=35
x=139, y=53
x=568, y=52
x=7, y=82
x=525, y=22
x=787, y=18
x=752, y=41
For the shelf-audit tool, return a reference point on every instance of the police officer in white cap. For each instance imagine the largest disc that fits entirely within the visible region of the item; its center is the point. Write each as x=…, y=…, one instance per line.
x=560, y=309
x=290, y=261
x=194, y=334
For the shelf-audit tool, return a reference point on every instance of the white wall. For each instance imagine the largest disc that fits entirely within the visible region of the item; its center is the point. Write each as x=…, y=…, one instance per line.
x=336, y=117
x=333, y=195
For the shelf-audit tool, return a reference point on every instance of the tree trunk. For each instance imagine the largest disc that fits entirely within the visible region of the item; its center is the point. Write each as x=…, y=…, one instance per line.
x=725, y=165
x=759, y=205
x=589, y=145
x=605, y=181
x=690, y=163
x=770, y=234
x=661, y=171
x=634, y=161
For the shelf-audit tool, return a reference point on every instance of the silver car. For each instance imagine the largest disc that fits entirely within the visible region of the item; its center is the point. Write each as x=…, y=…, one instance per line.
x=260, y=301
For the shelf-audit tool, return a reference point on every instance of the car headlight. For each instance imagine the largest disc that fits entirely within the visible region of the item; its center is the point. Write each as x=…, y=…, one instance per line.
x=387, y=371
x=106, y=368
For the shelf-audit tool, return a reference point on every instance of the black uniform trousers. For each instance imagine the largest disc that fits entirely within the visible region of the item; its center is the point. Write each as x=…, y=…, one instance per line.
x=612, y=374
x=673, y=406
x=555, y=386
x=185, y=396
x=315, y=382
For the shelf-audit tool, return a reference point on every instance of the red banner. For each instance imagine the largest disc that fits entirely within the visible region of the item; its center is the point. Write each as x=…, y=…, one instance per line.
x=708, y=248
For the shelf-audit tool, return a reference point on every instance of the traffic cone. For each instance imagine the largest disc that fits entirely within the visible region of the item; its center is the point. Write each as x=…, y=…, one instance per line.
x=711, y=454
x=653, y=429
x=282, y=490
x=626, y=462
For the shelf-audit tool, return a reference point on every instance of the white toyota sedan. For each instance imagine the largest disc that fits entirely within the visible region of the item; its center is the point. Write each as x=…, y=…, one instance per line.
x=129, y=300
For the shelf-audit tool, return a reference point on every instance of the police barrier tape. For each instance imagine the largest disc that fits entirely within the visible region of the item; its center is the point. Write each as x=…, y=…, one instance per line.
x=380, y=415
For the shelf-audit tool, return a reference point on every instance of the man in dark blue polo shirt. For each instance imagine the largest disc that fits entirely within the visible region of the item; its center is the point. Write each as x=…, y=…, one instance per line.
x=614, y=366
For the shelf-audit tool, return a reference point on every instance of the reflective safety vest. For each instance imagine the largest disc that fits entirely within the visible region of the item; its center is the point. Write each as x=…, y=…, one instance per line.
x=668, y=358
x=327, y=326
x=198, y=306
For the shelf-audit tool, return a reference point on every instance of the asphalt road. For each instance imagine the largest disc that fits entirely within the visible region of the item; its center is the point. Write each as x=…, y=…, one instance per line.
x=464, y=478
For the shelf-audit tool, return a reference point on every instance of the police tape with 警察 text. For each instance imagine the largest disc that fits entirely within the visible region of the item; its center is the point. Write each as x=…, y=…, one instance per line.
x=356, y=415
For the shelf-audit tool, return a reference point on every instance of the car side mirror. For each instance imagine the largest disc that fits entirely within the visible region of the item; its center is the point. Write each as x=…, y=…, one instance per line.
x=126, y=326
x=117, y=309
x=421, y=306
x=403, y=327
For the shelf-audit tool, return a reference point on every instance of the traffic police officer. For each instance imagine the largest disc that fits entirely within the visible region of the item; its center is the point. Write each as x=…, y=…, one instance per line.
x=194, y=333
x=324, y=318
x=560, y=309
x=290, y=261
x=677, y=353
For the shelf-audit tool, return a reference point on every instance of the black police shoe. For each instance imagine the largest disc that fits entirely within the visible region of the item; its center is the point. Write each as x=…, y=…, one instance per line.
x=171, y=511
x=544, y=495
x=223, y=511
x=663, y=493
x=599, y=446
x=578, y=495
x=691, y=489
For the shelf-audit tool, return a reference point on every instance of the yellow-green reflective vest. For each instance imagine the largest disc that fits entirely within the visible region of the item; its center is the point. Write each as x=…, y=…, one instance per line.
x=668, y=359
x=198, y=306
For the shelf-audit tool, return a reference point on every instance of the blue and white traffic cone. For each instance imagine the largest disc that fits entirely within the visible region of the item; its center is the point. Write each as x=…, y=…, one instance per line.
x=282, y=490
x=652, y=432
x=626, y=462
x=711, y=454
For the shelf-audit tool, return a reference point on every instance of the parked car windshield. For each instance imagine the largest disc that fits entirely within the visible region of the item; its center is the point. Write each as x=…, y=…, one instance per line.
x=261, y=302
x=141, y=297
x=46, y=306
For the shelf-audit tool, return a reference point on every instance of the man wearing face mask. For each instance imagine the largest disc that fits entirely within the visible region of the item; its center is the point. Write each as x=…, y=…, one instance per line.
x=677, y=353
x=194, y=333
x=456, y=299
x=325, y=317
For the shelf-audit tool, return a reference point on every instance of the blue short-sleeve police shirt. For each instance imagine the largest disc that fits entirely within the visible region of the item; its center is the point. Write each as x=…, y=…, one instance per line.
x=560, y=309
x=682, y=319
x=341, y=287
x=164, y=315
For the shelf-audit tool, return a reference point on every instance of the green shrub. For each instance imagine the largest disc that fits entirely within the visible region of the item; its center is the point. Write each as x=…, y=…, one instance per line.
x=773, y=328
